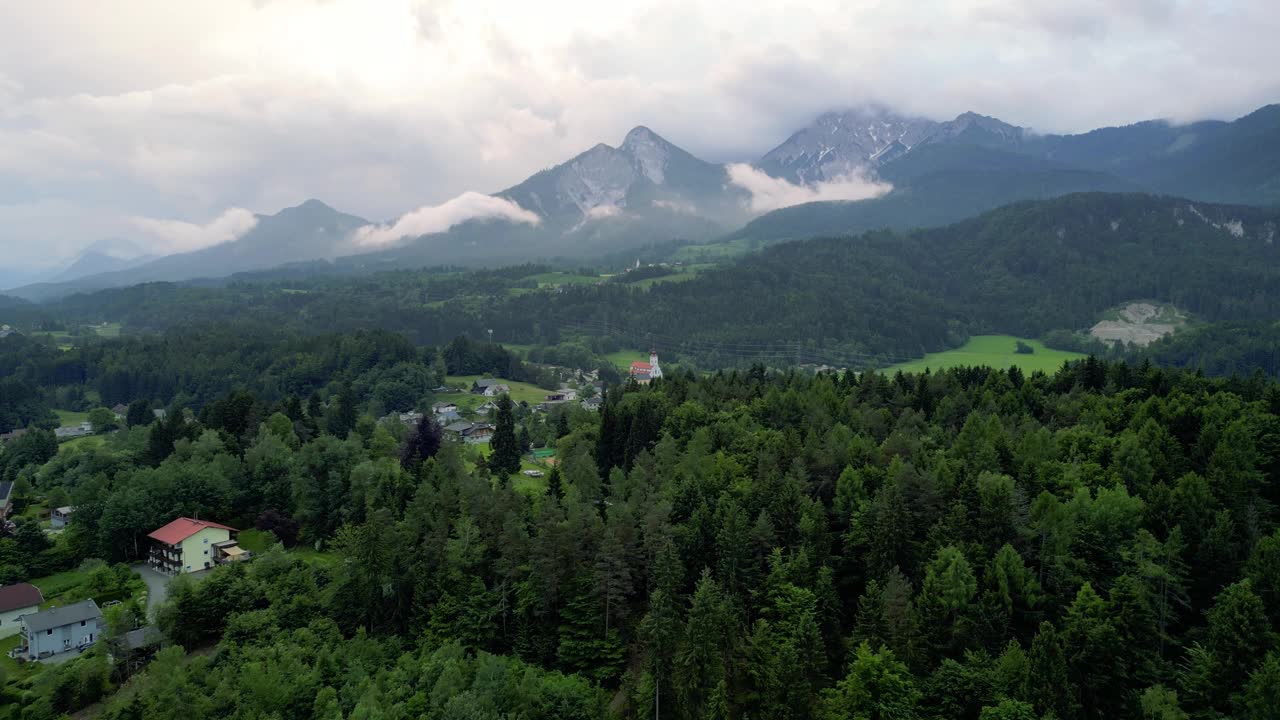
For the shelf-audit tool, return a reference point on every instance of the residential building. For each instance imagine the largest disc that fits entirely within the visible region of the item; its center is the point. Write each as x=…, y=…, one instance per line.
x=411, y=418
x=488, y=407
x=159, y=413
x=6, y=499
x=120, y=411
x=134, y=649
x=6, y=331
x=455, y=430
x=443, y=407
x=59, y=517
x=480, y=386
x=468, y=432
x=188, y=545
x=593, y=403
x=479, y=433
x=13, y=434
x=60, y=629
x=67, y=432
x=496, y=390
x=447, y=417
x=16, y=601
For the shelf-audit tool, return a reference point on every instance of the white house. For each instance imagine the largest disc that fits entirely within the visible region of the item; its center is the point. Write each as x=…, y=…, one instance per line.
x=60, y=629
x=60, y=516
x=187, y=545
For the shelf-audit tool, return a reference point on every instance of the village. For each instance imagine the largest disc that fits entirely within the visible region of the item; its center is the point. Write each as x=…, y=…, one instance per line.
x=53, y=619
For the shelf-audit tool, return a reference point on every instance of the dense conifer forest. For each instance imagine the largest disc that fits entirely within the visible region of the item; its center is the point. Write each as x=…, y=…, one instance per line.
x=1098, y=543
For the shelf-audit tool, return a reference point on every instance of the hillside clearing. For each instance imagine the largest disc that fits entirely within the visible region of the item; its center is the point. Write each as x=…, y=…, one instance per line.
x=991, y=350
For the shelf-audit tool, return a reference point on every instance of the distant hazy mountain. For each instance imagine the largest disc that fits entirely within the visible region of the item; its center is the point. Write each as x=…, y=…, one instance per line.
x=943, y=172
x=609, y=200
x=604, y=200
x=1236, y=161
x=871, y=137
x=644, y=174
x=106, y=255
x=309, y=231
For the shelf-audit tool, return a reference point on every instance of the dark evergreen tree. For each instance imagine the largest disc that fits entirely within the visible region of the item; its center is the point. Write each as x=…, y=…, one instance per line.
x=505, y=458
x=421, y=444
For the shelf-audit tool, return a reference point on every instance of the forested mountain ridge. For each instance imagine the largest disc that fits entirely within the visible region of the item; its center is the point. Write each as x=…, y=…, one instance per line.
x=944, y=172
x=935, y=185
x=1026, y=269
x=967, y=545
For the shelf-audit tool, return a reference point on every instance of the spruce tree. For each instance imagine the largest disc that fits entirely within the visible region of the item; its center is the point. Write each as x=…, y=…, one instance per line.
x=505, y=458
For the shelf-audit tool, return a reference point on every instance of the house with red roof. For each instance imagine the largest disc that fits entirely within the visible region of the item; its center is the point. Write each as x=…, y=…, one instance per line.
x=15, y=601
x=189, y=545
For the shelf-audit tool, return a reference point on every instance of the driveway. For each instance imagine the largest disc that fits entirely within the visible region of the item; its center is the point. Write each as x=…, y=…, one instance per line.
x=157, y=586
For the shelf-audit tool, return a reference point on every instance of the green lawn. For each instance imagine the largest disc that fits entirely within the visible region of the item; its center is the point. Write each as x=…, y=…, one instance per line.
x=12, y=669
x=108, y=330
x=623, y=358
x=71, y=417
x=552, y=279
x=993, y=350
x=81, y=444
x=715, y=251
x=322, y=558
x=52, y=586
x=520, y=391
x=674, y=277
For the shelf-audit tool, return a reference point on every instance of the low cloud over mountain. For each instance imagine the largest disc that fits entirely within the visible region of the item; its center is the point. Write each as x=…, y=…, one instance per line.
x=432, y=219
x=770, y=193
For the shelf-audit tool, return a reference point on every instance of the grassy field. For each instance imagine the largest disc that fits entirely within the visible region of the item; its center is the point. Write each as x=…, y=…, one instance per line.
x=714, y=252
x=10, y=667
x=81, y=444
x=551, y=279
x=993, y=350
x=108, y=330
x=52, y=586
x=623, y=358
x=674, y=277
x=466, y=402
x=71, y=417
x=322, y=558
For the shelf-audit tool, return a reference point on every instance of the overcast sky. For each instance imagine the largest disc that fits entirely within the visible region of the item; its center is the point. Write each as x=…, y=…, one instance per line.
x=160, y=120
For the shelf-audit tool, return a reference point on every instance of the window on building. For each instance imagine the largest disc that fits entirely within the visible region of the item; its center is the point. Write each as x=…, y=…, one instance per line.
x=82, y=623
x=49, y=631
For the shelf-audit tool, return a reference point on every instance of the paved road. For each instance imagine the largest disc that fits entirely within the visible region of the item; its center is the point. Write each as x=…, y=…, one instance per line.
x=157, y=586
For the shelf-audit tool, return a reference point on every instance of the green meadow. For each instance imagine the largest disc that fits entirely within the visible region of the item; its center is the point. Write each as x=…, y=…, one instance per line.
x=993, y=350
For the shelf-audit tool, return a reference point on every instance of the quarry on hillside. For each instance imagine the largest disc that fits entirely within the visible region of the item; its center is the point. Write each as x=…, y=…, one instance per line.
x=1139, y=323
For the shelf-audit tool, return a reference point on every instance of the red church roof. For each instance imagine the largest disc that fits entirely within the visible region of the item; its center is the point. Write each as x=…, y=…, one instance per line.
x=644, y=366
x=183, y=528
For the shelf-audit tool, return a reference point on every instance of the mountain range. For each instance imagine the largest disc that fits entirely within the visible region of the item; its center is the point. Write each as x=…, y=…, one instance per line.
x=648, y=190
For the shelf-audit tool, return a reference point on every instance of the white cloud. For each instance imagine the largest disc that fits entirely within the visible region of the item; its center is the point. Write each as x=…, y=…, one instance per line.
x=600, y=212
x=438, y=218
x=174, y=236
x=163, y=109
x=770, y=193
x=678, y=206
